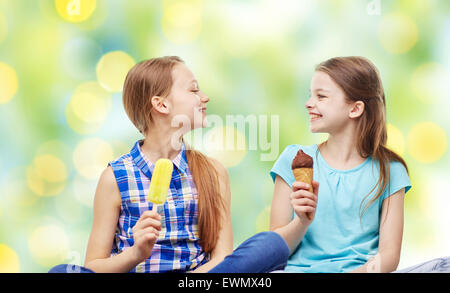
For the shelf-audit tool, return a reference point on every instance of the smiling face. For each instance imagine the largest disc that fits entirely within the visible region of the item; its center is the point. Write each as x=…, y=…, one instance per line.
x=327, y=106
x=186, y=99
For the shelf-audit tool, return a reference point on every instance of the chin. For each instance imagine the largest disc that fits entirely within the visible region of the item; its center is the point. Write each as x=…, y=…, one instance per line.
x=317, y=129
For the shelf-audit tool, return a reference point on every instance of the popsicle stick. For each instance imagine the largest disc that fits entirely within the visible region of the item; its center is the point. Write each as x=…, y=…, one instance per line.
x=154, y=207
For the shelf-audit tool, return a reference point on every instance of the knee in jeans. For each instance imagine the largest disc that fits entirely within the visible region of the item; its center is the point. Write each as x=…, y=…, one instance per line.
x=268, y=235
x=273, y=239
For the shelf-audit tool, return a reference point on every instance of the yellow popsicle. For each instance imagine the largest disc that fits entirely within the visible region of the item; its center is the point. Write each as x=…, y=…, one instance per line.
x=159, y=184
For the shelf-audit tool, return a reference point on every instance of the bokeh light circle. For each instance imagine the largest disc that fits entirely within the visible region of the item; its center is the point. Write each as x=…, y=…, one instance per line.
x=397, y=33
x=8, y=83
x=427, y=142
x=47, y=175
x=182, y=20
x=91, y=105
x=112, y=70
x=395, y=139
x=91, y=157
x=430, y=82
x=50, y=168
x=88, y=108
x=58, y=149
x=9, y=260
x=48, y=245
x=75, y=10
x=226, y=144
x=34, y=181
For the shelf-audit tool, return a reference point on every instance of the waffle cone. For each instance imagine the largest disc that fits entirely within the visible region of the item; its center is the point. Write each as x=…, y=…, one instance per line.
x=304, y=175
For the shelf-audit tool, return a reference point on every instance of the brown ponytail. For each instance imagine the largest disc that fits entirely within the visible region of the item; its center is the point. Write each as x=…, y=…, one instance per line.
x=210, y=201
x=154, y=78
x=360, y=81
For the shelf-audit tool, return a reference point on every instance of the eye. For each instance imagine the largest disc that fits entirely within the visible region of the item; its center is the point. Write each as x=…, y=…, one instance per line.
x=321, y=97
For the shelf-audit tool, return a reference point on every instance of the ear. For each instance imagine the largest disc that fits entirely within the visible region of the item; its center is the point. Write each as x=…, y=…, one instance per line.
x=357, y=109
x=160, y=105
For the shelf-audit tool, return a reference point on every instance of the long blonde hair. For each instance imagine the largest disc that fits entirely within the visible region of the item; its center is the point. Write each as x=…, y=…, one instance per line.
x=153, y=77
x=360, y=81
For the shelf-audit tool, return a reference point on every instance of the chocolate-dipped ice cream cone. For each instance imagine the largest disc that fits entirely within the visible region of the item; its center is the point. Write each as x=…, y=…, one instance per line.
x=302, y=167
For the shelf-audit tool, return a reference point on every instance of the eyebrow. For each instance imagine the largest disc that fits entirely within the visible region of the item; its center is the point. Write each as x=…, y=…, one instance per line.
x=320, y=89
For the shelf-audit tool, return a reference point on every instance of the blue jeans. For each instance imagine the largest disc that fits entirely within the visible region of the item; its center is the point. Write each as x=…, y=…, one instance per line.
x=64, y=268
x=261, y=253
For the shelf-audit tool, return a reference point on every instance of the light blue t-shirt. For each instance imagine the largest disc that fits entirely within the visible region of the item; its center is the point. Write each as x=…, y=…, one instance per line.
x=337, y=240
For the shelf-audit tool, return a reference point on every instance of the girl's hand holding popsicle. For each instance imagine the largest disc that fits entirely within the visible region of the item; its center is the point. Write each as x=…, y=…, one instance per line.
x=145, y=234
x=147, y=228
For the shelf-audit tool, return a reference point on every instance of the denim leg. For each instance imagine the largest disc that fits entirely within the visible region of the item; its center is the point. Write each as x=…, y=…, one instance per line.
x=262, y=253
x=68, y=268
x=437, y=265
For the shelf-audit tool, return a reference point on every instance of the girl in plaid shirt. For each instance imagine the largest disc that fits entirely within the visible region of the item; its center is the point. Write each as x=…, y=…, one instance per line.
x=191, y=231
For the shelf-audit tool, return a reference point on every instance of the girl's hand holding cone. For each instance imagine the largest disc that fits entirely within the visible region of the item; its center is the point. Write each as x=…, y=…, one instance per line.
x=303, y=201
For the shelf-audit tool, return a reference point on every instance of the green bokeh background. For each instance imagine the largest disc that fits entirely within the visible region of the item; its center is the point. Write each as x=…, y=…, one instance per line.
x=251, y=58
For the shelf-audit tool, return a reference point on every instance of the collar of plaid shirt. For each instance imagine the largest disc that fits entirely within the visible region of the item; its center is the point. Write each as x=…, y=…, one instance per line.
x=146, y=166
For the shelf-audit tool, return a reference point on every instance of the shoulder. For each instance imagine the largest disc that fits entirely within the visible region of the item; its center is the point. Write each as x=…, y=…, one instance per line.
x=397, y=167
x=107, y=176
x=399, y=176
x=107, y=187
x=125, y=159
x=121, y=166
x=398, y=179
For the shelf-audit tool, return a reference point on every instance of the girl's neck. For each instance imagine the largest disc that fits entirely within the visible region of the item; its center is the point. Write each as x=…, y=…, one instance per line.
x=340, y=151
x=161, y=142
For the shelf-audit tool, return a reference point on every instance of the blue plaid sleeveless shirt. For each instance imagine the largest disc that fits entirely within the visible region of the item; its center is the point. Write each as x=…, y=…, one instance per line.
x=177, y=247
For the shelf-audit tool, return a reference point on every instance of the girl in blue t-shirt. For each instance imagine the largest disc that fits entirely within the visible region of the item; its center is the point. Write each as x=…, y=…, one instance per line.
x=356, y=222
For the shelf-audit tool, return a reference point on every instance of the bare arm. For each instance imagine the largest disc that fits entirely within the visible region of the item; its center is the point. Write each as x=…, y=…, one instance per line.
x=224, y=244
x=391, y=232
x=107, y=203
x=285, y=202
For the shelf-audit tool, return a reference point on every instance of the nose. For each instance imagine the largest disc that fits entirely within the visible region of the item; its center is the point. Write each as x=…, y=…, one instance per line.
x=204, y=98
x=309, y=103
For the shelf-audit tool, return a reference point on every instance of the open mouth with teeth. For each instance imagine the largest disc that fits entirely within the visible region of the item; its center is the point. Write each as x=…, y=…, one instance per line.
x=314, y=116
